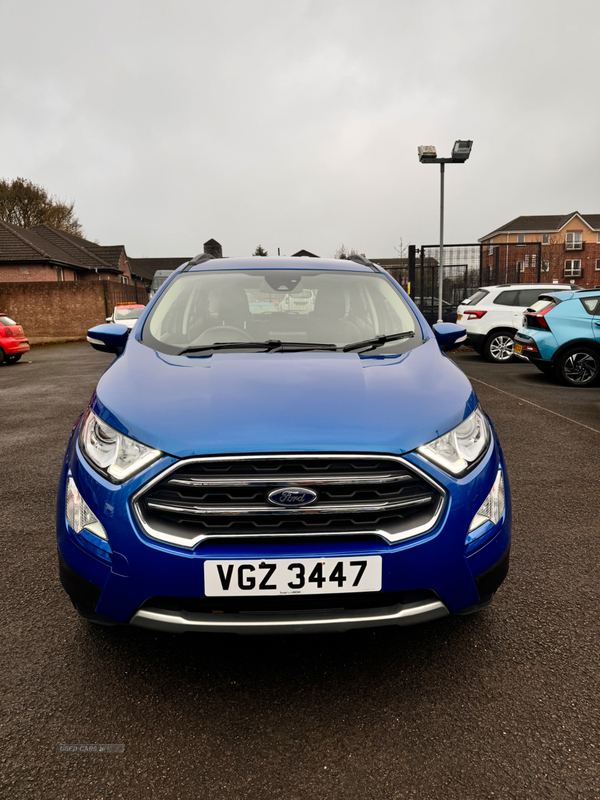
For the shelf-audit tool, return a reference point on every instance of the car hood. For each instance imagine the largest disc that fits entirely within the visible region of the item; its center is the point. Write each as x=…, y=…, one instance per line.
x=283, y=402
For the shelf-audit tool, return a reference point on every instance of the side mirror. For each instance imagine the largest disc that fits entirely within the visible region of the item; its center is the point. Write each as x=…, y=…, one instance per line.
x=109, y=319
x=449, y=336
x=108, y=338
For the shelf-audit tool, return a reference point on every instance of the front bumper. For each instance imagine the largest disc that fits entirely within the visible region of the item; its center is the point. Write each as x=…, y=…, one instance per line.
x=141, y=582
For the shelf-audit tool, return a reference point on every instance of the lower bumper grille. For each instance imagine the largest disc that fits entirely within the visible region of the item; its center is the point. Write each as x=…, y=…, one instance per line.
x=228, y=497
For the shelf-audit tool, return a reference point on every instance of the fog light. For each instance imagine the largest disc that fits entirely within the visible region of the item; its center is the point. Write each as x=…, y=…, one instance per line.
x=86, y=524
x=491, y=510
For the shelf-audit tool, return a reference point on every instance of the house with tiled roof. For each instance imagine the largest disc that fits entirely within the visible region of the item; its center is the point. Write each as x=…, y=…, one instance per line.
x=569, y=246
x=43, y=253
x=146, y=267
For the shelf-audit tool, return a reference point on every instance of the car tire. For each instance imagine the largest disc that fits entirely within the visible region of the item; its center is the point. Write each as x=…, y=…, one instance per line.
x=499, y=346
x=578, y=366
x=14, y=359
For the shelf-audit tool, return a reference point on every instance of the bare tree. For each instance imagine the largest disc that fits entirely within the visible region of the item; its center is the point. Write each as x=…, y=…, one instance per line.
x=343, y=252
x=26, y=204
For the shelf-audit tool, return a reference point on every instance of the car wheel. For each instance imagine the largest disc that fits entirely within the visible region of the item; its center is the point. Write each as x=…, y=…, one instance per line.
x=500, y=347
x=2, y=356
x=14, y=359
x=579, y=366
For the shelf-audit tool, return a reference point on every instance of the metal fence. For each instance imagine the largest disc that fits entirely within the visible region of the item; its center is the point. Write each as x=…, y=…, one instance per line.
x=466, y=267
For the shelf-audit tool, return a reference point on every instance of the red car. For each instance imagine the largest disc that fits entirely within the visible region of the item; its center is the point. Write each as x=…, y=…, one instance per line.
x=13, y=342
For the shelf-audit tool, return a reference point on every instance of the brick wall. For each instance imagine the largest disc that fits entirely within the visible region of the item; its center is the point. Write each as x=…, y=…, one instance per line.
x=64, y=309
x=27, y=272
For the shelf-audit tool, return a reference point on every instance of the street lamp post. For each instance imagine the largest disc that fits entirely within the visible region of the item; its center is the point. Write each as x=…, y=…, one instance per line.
x=428, y=155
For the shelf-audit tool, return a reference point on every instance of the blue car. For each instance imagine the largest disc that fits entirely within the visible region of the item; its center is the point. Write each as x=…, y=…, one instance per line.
x=561, y=336
x=321, y=468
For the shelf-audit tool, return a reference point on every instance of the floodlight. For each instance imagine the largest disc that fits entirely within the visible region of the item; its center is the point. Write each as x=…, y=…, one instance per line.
x=428, y=155
x=426, y=151
x=461, y=149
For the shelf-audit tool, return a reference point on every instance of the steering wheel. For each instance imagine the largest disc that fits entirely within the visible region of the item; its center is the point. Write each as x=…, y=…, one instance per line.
x=206, y=338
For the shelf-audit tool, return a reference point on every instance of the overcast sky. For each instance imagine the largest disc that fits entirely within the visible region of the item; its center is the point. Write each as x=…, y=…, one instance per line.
x=295, y=123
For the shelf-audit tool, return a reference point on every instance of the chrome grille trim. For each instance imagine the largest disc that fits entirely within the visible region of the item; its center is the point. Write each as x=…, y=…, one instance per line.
x=190, y=542
x=298, y=480
x=324, y=508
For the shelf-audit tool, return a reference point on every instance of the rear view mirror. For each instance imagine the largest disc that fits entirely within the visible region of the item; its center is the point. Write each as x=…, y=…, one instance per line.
x=449, y=336
x=108, y=338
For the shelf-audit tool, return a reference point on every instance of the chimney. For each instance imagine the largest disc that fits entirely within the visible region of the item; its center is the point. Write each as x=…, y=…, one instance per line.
x=213, y=248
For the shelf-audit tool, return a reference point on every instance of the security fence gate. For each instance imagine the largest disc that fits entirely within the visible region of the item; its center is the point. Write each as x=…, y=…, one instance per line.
x=466, y=267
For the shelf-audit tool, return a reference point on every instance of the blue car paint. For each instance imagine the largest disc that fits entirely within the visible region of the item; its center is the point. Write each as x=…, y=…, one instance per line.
x=303, y=401
x=281, y=402
x=569, y=323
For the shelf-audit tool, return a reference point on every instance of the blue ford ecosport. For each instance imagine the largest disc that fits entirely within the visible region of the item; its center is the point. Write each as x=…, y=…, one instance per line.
x=281, y=445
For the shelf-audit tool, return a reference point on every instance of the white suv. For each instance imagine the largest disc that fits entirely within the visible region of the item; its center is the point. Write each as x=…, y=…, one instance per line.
x=494, y=314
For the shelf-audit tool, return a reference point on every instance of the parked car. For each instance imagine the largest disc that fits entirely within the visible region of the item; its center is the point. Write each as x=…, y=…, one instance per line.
x=281, y=472
x=494, y=314
x=126, y=314
x=561, y=336
x=13, y=342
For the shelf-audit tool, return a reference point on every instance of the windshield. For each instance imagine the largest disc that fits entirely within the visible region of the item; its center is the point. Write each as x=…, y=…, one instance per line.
x=127, y=312
x=288, y=306
x=6, y=320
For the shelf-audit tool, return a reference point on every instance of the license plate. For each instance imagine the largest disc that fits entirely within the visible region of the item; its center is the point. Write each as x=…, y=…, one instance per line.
x=289, y=576
x=459, y=317
x=518, y=348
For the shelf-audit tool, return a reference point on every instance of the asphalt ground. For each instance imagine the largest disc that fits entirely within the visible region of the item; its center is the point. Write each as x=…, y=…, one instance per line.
x=503, y=704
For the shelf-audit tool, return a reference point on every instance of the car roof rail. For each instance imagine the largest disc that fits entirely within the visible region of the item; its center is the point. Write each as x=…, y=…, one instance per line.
x=199, y=259
x=364, y=261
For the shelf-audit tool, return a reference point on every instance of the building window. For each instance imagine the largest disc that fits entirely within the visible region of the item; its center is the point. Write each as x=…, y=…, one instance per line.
x=573, y=267
x=545, y=238
x=59, y=274
x=124, y=279
x=520, y=267
x=574, y=240
x=520, y=238
x=598, y=265
x=490, y=249
x=545, y=266
x=598, y=239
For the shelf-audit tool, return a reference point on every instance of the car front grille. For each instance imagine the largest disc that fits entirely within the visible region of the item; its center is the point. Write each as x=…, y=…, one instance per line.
x=226, y=497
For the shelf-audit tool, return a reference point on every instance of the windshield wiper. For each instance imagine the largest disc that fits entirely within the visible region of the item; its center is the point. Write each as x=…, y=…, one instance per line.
x=378, y=340
x=270, y=346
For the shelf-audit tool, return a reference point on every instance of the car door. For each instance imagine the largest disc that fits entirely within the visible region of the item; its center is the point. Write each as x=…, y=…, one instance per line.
x=595, y=310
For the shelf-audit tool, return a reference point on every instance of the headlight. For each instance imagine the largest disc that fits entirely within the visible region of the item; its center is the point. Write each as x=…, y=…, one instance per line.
x=459, y=449
x=491, y=509
x=112, y=453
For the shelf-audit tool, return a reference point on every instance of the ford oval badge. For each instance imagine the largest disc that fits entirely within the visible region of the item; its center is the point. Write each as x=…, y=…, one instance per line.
x=292, y=496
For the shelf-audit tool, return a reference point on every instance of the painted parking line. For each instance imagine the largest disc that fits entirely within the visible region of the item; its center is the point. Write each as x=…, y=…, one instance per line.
x=536, y=405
